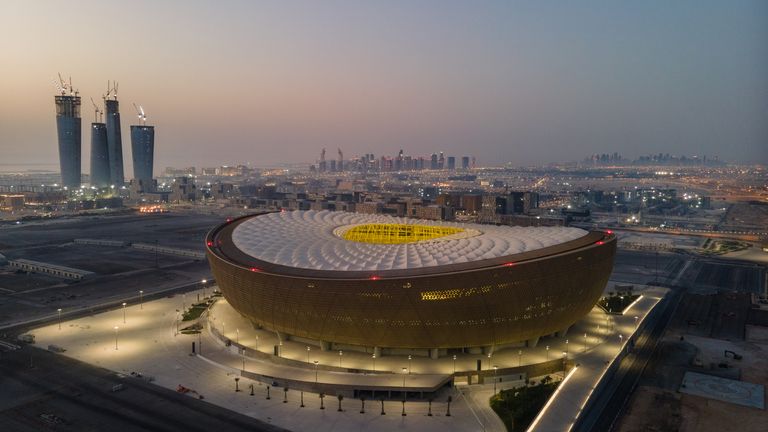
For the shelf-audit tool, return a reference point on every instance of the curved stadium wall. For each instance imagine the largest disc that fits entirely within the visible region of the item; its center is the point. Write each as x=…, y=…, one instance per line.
x=486, y=302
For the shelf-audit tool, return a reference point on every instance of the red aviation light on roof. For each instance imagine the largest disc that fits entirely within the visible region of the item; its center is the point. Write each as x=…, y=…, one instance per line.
x=209, y=243
x=229, y=220
x=609, y=232
x=509, y=264
x=254, y=269
x=599, y=242
x=374, y=277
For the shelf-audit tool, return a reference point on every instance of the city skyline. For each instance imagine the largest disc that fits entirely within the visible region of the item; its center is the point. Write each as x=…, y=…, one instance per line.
x=521, y=83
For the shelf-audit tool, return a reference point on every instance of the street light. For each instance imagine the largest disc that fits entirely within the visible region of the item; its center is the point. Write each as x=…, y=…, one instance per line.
x=565, y=362
x=341, y=353
x=566, y=346
x=183, y=302
x=519, y=358
x=59, y=311
x=141, y=299
x=454, y=364
x=405, y=395
x=237, y=335
x=204, y=282
x=116, y=329
x=243, y=352
x=547, y=352
x=124, y=312
x=495, y=368
x=489, y=360
x=409, y=364
x=636, y=322
x=308, y=350
x=374, y=362
x=316, y=371
x=585, y=342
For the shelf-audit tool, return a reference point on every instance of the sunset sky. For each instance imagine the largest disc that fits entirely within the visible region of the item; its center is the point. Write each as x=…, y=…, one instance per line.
x=506, y=81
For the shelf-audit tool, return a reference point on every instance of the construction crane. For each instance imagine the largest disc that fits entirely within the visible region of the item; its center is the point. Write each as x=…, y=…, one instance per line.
x=140, y=114
x=97, y=111
x=111, y=90
x=63, y=87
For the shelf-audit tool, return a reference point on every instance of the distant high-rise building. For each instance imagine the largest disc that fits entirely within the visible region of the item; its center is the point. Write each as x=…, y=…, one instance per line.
x=441, y=161
x=433, y=161
x=69, y=128
x=99, y=156
x=143, y=151
x=322, y=166
x=114, y=141
x=465, y=162
x=451, y=163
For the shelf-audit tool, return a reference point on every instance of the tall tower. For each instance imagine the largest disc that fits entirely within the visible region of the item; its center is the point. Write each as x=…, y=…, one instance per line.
x=143, y=152
x=99, y=151
x=68, y=128
x=114, y=137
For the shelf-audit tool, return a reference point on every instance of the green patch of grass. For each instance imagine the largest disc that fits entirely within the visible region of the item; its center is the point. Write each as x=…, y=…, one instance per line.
x=194, y=312
x=518, y=407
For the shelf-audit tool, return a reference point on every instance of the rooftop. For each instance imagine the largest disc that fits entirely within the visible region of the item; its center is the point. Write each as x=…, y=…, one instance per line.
x=339, y=241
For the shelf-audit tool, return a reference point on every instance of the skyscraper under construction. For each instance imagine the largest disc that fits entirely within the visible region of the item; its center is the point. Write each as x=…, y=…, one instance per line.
x=143, y=151
x=99, y=151
x=114, y=139
x=68, y=128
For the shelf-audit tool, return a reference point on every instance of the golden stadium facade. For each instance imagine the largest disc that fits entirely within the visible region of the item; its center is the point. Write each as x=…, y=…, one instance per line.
x=379, y=281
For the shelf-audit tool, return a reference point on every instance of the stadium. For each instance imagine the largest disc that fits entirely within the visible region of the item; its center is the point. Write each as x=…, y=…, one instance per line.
x=360, y=281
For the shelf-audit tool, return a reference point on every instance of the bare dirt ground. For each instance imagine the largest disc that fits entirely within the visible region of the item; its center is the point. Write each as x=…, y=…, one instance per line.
x=657, y=405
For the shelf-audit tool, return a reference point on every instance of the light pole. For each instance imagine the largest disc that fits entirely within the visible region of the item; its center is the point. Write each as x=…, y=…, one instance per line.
x=547, y=352
x=59, y=311
x=183, y=302
x=489, y=361
x=404, y=392
x=223, y=330
x=257, y=343
x=374, y=362
x=237, y=335
x=495, y=368
x=519, y=358
x=341, y=353
x=409, y=364
x=565, y=362
x=454, y=364
x=585, y=342
x=116, y=329
x=243, y=352
x=124, y=312
x=636, y=318
x=316, y=362
x=204, y=281
x=566, y=346
x=308, y=350
x=141, y=299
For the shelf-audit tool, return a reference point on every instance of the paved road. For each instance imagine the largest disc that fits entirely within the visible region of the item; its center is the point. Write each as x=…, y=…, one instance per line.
x=59, y=393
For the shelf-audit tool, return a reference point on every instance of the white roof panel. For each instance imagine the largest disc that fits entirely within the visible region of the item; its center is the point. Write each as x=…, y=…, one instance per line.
x=306, y=239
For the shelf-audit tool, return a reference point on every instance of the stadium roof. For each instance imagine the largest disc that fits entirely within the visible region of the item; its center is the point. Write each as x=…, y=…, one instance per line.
x=339, y=241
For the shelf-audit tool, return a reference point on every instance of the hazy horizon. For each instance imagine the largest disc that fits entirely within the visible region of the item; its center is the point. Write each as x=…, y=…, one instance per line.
x=275, y=82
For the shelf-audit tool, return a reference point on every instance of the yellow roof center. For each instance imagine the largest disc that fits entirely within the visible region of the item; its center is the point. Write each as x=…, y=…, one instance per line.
x=383, y=233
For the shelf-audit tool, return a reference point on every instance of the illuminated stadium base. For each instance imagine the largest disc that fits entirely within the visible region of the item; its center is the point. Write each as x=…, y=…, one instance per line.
x=435, y=287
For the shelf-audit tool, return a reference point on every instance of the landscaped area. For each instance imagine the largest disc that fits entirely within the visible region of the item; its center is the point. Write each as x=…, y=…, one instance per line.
x=518, y=407
x=720, y=246
x=616, y=303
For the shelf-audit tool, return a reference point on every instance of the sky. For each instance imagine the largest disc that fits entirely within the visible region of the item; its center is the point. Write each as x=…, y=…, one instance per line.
x=270, y=82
